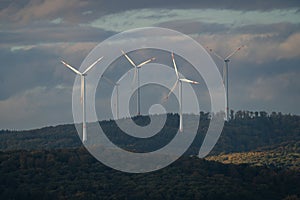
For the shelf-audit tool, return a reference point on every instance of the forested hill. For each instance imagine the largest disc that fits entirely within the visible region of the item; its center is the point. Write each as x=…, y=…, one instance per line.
x=75, y=174
x=247, y=131
x=284, y=155
x=261, y=152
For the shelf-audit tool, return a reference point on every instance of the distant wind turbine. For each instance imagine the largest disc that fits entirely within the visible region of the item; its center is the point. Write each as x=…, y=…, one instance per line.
x=117, y=91
x=225, y=74
x=82, y=77
x=136, y=76
x=180, y=80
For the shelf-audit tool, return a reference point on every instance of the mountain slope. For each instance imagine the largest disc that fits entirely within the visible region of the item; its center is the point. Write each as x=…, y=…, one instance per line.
x=286, y=155
x=75, y=174
x=242, y=134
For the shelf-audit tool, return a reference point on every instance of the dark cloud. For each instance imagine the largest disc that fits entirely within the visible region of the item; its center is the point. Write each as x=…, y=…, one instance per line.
x=50, y=33
x=24, y=70
x=84, y=11
x=282, y=30
x=194, y=27
x=270, y=86
x=117, y=6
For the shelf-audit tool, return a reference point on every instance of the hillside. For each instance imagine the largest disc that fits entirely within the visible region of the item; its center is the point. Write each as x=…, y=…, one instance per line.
x=75, y=174
x=248, y=131
x=256, y=157
x=285, y=155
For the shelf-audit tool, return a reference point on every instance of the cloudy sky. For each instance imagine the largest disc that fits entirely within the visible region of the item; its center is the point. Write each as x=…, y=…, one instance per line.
x=36, y=90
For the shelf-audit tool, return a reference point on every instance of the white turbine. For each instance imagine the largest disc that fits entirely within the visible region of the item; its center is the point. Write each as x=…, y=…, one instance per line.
x=225, y=75
x=180, y=80
x=136, y=76
x=82, y=77
x=117, y=95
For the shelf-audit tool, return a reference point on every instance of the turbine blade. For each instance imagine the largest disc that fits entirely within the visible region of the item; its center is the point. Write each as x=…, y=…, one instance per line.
x=82, y=89
x=127, y=57
x=109, y=81
x=172, y=89
x=145, y=62
x=174, y=64
x=234, y=52
x=213, y=52
x=92, y=65
x=70, y=67
x=188, y=81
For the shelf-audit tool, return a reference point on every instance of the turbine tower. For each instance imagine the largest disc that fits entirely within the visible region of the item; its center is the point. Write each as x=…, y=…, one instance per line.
x=82, y=77
x=180, y=80
x=117, y=91
x=136, y=76
x=225, y=75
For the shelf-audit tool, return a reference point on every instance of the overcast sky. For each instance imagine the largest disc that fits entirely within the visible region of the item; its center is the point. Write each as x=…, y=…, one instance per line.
x=36, y=90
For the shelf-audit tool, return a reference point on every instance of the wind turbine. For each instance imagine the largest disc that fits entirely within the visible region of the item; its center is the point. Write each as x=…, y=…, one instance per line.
x=136, y=76
x=82, y=77
x=225, y=74
x=180, y=80
x=117, y=91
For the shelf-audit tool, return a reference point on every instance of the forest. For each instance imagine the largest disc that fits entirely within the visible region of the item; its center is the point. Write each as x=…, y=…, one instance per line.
x=256, y=157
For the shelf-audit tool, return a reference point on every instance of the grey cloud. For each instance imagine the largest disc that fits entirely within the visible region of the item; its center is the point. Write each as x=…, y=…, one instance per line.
x=37, y=10
x=277, y=31
x=72, y=11
x=271, y=86
x=117, y=6
x=275, y=92
x=24, y=70
x=49, y=33
x=194, y=27
x=35, y=108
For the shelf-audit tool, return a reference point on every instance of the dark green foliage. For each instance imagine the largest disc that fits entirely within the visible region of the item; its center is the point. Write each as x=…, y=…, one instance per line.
x=248, y=131
x=62, y=136
x=75, y=174
x=50, y=163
